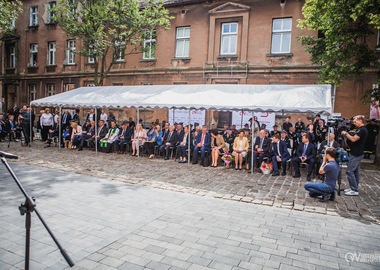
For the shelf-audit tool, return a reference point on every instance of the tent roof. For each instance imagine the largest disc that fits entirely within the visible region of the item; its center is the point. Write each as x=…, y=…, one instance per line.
x=268, y=98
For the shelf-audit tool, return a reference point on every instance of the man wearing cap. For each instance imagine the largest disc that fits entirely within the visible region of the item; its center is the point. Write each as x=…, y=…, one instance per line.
x=284, y=137
x=229, y=139
x=274, y=131
x=125, y=136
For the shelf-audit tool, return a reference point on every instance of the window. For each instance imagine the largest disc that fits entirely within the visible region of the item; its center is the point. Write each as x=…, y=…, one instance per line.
x=69, y=87
x=13, y=24
x=70, y=52
x=182, y=42
x=119, y=51
x=150, y=45
x=378, y=40
x=51, y=13
x=73, y=6
x=12, y=57
x=51, y=53
x=229, y=35
x=281, y=34
x=33, y=55
x=32, y=92
x=33, y=16
x=90, y=59
x=146, y=83
x=50, y=89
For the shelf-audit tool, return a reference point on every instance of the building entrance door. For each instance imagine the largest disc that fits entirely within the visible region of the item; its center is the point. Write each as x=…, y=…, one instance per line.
x=225, y=118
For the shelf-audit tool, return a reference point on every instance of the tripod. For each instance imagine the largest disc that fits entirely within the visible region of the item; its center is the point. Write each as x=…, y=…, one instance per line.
x=26, y=209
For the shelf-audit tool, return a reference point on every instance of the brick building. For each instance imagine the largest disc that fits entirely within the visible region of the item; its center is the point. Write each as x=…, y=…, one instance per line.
x=209, y=42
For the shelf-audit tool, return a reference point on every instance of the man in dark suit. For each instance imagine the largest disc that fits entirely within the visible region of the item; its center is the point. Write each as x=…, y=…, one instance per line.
x=170, y=140
x=229, y=139
x=66, y=118
x=11, y=128
x=203, y=144
x=54, y=132
x=280, y=154
x=87, y=134
x=306, y=152
x=179, y=131
x=101, y=133
x=261, y=147
x=274, y=131
x=124, y=138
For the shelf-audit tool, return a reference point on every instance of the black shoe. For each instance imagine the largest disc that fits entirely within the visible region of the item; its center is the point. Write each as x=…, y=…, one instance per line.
x=308, y=178
x=332, y=196
x=46, y=146
x=283, y=173
x=195, y=162
x=236, y=168
x=166, y=158
x=297, y=175
x=325, y=198
x=276, y=173
x=202, y=164
x=80, y=149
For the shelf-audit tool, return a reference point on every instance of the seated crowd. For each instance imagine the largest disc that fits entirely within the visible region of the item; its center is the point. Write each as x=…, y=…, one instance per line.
x=292, y=145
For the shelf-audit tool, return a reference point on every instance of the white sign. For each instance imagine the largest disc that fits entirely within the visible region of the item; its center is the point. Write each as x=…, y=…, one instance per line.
x=182, y=116
x=239, y=116
x=264, y=118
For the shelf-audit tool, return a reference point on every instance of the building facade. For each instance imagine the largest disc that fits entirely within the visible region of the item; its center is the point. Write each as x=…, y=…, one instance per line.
x=209, y=42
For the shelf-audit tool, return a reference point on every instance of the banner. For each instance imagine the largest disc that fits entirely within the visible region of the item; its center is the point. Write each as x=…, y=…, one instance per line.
x=182, y=116
x=264, y=118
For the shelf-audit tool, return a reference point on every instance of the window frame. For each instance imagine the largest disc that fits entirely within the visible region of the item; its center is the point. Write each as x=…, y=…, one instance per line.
x=52, y=53
x=70, y=52
x=12, y=57
x=51, y=15
x=32, y=90
x=230, y=34
x=183, y=38
x=33, y=55
x=50, y=91
x=282, y=32
x=152, y=40
x=33, y=19
x=378, y=40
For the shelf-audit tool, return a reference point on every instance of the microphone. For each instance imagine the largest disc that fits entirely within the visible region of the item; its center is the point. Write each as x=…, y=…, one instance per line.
x=7, y=155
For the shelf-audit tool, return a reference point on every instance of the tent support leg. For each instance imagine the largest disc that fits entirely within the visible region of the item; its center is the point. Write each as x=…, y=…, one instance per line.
x=31, y=126
x=60, y=128
x=96, y=131
x=189, y=142
x=253, y=129
x=138, y=131
x=242, y=113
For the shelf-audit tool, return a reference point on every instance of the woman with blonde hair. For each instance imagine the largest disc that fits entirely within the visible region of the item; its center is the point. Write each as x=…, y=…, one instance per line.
x=75, y=134
x=240, y=149
x=138, y=139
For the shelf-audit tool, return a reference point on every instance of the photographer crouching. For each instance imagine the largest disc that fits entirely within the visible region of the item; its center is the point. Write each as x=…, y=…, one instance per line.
x=330, y=169
x=356, y=143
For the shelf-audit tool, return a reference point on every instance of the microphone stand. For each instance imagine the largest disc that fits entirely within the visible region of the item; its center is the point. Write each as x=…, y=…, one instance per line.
x=26, y=209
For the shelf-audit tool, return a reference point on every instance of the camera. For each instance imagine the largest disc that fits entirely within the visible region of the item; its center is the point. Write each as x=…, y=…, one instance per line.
x=339, y=124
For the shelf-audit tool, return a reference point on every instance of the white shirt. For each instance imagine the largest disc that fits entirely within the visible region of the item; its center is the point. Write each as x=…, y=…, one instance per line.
x=46, y=119
x=103, y=117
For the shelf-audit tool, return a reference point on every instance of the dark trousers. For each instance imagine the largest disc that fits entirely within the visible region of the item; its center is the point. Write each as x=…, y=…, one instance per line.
x=106, y=149
x=275, y=165
x=76, y=139
x=318, y=189
x=26, y=132
x=261, y=158
x=182, y=150
x=45, y=132
x=296, y=164
x=120, y=144
x=165, y=149
x=149, y=147
x=82, y=139
x=203, y=153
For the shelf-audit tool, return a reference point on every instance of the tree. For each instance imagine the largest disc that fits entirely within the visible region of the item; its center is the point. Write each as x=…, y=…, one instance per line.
x=341, y=47
x=110, y=29
x=9, y=11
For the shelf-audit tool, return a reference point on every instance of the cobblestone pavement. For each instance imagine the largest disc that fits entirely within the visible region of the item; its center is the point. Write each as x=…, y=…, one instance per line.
x=281, y=191
x=113, y=225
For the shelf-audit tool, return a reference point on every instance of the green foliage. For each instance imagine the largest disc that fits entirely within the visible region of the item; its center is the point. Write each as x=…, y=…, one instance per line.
x=107, y=27
x=9, y=11
x=344, y=26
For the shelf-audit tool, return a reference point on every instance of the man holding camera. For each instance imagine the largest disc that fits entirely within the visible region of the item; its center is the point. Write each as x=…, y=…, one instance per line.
x=356, y=143
x=330, y=168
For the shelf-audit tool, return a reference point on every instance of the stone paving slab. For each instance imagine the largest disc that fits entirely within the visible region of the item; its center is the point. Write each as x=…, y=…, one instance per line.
x=228, y=184
x=113, y=225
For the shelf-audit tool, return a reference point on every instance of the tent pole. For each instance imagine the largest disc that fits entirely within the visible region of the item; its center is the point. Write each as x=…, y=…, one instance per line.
x=189, y=142
x=60, y=127
x=96, y=130
x=242, y=113
x=253, y=130
x=138, y=131
x=31, y=128
x=173, y=117
x=282, y=117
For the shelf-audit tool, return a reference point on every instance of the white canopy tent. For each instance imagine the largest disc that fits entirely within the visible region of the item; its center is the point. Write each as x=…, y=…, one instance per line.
x=222, y=97
x=267, y=98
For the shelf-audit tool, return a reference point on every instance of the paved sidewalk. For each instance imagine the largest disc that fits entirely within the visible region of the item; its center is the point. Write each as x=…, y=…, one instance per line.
x=107, y=224
x=283, y=192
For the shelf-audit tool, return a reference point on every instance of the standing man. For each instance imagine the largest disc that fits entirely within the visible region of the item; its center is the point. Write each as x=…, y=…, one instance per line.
x=356, y=143
x=286, y=125
x=25, y=124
